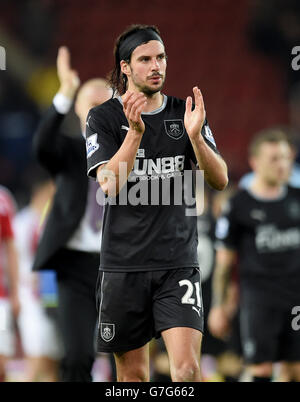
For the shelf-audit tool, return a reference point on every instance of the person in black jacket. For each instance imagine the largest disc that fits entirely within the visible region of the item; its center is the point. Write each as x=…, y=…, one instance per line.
x=70, y=244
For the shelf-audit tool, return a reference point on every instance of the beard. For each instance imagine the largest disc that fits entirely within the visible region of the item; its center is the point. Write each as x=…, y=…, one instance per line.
x=147, y=89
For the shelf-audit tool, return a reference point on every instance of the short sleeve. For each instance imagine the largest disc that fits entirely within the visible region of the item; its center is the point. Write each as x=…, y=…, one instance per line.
x=209, y=140
x=208, y=137
x=226, y=232
x=101, y=145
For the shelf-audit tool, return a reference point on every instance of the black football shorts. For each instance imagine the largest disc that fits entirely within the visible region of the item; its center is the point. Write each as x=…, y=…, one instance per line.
x=267, y=334
x=134, y=307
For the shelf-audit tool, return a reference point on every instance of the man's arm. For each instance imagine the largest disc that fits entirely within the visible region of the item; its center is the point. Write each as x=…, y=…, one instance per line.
x=222, y=274
x=218, y=320
x=13, y=277
x=214, y=167
x=46, y=142
x=112, y=176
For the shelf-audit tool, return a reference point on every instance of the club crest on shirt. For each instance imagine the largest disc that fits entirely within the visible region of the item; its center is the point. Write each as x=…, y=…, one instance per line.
x=107, y=331
x=91, y=145
x=174, y=128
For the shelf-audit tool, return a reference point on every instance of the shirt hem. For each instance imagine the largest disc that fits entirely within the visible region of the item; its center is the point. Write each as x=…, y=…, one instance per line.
x=144, y=269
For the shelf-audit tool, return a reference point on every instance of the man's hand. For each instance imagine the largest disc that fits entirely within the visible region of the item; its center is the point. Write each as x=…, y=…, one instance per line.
x=193, y=120
x=69, y=80
x=218, y=322
x=133, y=105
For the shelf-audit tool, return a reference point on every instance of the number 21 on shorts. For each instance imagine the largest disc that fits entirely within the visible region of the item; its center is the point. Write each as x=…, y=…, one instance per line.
x=188, y=296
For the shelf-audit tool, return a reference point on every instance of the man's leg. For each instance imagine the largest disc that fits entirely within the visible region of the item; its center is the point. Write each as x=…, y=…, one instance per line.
x=183, y=345
x=77, y=316
x=2, y=368
x=261, y=372
x=77, y=322
x=133, y=366
x=261, y=327
x=125, y=322
x=289, y=350
x=295, y=371
x=285, y=372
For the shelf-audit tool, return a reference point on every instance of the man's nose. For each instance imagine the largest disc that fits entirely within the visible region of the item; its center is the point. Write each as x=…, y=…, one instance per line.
x=155, y=64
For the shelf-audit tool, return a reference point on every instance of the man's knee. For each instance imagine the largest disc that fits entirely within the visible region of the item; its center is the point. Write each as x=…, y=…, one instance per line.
x=186, y=371
x=133, y=374
x=133, y=365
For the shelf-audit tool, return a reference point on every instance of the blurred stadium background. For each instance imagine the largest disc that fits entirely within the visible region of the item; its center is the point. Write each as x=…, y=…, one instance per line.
x=237, y=52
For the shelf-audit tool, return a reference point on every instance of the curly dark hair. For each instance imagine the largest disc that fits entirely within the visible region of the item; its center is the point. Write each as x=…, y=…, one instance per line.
x=116, y=78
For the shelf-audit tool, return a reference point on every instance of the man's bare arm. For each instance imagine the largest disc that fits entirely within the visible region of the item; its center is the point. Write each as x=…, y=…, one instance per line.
x=222, y=275
x=218, y=320
x=214, y=167
x=111, y=178
x=13, y=274
x=212, y=164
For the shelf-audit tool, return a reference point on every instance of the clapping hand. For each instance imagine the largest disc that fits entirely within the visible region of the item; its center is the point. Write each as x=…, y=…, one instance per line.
x=133, y=106
x=69, y=80
x=193, y=120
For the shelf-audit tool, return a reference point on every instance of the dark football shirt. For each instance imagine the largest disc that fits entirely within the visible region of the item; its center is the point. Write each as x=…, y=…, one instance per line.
x=266, y=235
x=150, y=232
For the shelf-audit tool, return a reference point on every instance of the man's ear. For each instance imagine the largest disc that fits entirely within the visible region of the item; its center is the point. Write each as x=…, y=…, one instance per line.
x=125, y=68
x=252, y=162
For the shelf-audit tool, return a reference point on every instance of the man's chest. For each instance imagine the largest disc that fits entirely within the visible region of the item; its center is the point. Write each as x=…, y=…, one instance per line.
x=156, y=144
x=272, y=227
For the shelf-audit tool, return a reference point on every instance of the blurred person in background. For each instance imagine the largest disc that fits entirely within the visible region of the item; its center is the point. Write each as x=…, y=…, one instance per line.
x=260, y=226
x=70, y=240
x=39, y=335
x=294, y=178
x=9, y=298
x=293, y=134
x=226, y=364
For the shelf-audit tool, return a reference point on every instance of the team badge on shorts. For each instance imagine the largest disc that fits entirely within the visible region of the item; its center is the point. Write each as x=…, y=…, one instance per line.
x=174, y=128
x=107, y=331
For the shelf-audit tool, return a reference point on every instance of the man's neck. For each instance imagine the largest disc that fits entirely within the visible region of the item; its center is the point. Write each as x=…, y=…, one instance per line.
x=266, y=190
x=154, y=101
